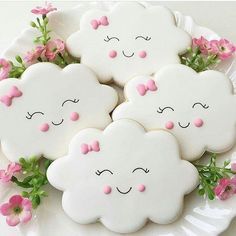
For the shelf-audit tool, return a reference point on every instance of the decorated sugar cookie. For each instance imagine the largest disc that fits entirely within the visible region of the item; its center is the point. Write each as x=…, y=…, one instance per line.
x=123, y=177
x=199, y=109
x=41, y=112
x=128, y=40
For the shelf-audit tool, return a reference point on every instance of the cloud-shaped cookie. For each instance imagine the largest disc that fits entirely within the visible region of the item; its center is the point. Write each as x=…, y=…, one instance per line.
x=41, y=112
x=127, y=41
x=199, y=109
x=122, y=177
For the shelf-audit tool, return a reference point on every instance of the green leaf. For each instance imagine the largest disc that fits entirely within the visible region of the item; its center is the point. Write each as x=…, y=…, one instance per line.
x=42, y=193
x=19, y=183
x=27, y=179
x=35, y=199
x=211, y=195
x=47, y=163
x=33, y=24
x=45, y=20
x=18, y=59
x=25, y=194
x=201, y=191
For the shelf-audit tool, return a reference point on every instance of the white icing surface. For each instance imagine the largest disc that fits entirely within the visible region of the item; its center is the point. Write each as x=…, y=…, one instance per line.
x=45, y=87
x=179, y=87
x=129, y=25
x=124, y=147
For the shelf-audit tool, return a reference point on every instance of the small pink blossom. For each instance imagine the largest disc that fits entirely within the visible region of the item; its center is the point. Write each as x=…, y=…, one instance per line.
x=6, y=175
x=5, y=68
x=53, y=48
x=17, y=210
x=43, y=10
x=223, y=48
x=31, y=57
x=225, y=188
x=203, y=44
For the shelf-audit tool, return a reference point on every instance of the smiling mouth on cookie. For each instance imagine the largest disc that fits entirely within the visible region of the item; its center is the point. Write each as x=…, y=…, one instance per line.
x=184, y=126
x=56, y=124
x=127, y=55
x=122, y=191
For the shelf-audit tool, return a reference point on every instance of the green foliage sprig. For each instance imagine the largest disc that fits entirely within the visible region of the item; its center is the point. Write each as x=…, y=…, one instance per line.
x=210, y=174
x=33, y=179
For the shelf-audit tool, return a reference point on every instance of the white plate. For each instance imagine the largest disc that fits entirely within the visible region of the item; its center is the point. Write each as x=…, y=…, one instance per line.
x=200, y=216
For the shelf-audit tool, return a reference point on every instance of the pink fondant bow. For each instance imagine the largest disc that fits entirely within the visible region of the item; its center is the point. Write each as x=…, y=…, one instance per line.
x=85, y=148
x=102, y=21
x=13, y=93
x=149, y=86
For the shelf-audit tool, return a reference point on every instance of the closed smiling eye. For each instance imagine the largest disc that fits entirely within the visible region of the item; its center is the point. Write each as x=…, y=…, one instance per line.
x=141, y=169
x=142, y=37
x=107, y=39
x=160, y=110
x=98, y=172
x=29, y=116
x=205, y=106
x=70, y=100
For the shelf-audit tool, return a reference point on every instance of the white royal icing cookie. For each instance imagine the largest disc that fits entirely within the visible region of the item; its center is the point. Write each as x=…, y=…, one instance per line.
x=122, y=177
x=199, y=109
x=42, y=111
x=127, y=41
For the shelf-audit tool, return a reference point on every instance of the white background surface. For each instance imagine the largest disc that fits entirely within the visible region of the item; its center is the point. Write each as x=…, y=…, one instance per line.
x=218, y=16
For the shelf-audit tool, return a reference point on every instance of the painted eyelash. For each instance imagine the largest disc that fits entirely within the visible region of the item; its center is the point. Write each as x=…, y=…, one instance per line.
x=140, y=168
x=70, y=100
x=29, y=116
x=142, y=37
x=98, y=172
x=107, y=39
x=205, y=106
x=160, y=110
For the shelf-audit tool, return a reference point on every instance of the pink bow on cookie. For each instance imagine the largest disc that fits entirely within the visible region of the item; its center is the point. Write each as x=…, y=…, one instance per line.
x=102, y=21
x=85, y=148
x=149, y=86
x=13, y=93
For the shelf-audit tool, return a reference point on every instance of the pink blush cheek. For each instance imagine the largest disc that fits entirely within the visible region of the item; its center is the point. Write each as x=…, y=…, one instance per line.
x=107, y=189
x=74, y=116
x=44, y=127
x=112, y=54
x=141, y=187
x=142, y=54
x=198, y=122
x=169, y=125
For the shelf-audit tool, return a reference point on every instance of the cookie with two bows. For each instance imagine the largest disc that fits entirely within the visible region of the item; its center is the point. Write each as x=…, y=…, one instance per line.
x=123, y=177
x=42, y=111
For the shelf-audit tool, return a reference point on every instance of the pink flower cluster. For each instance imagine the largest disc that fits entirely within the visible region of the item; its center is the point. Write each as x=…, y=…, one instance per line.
x=5, y=68
x=222, y=48
x=226, y=187
x=17, y=210
x=6, y=175
x=43, y=10
x=49, y=51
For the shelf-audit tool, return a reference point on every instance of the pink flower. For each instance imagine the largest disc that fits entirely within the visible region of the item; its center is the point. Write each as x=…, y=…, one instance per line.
x=17, y=210
x=31, y=57
x=6, y=175
x=223, y=48
x=53, y=48
x=203, y=44
x=43, y=10
x=5, y=68
x=225, y=188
